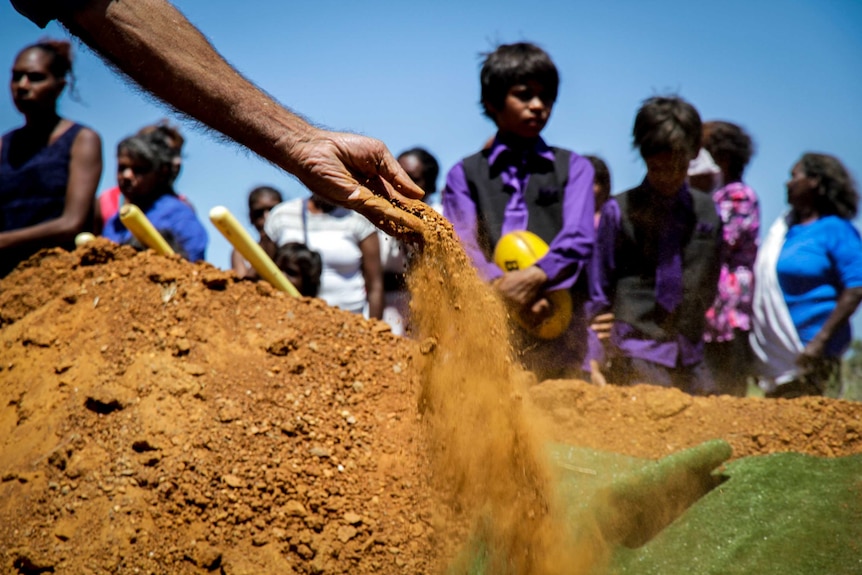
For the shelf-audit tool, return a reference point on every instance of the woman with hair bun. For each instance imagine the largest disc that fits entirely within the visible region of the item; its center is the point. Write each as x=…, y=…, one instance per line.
x=49, y=167
x=809, y=282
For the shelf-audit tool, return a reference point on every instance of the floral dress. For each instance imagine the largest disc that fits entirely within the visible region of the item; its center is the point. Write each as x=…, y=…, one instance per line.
x=739, y=210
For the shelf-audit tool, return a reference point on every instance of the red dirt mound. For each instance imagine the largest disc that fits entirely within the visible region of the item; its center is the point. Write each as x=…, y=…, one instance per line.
x=161, y=417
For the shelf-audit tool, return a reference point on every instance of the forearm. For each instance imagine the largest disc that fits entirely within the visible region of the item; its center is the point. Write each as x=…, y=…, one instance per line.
x=154, y=44
x=847, y=303
x=49, y=233
x=375, y=299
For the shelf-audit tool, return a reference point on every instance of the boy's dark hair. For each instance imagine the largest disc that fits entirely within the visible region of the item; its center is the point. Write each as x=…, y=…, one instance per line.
x=667, y=124
x=512, y=64
x=602, y=174
x=730, y=146
x=430, y=167
x=836, y=190
x=296, y=260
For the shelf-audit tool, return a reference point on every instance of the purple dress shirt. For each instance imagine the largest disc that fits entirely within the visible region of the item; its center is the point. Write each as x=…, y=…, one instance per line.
x=679, y=351
x=570, y=251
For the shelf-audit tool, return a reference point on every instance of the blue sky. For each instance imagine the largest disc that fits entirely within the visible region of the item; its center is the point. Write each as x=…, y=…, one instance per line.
x=407, y=73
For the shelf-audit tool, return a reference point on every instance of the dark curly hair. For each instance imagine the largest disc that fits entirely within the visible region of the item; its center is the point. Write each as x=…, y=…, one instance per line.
x=512, y=64
x=836, y=191
x=730, y=146
x=667, y=124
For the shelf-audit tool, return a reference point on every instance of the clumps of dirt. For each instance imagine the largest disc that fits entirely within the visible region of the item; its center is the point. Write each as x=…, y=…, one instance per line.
x=653, y=422
x=158, y=416
x=487, y=451
x=161, y=417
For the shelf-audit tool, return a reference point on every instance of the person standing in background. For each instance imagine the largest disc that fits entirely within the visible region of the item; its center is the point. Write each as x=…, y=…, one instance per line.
x=348, y=246
x=145, y=176
x=110, y=200
x=808, y=282
x=520, y=183
x=423, y=169
x=658, y=257
x=50, y=167
x=728, y=322
x=261, y=201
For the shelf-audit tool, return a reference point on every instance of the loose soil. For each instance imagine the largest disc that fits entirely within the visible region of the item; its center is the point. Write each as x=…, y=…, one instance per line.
x=158, y=416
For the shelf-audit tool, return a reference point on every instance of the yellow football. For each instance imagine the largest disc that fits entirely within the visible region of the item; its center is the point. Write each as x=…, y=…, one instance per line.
x=519, y=250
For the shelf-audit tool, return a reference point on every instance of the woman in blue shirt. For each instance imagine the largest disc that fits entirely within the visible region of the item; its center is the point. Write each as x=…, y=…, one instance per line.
x=819, y=273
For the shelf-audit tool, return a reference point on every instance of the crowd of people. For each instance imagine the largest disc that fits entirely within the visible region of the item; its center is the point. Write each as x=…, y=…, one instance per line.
x=667, y=282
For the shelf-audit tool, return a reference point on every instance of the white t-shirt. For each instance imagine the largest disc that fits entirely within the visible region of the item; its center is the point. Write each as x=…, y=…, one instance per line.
x=335, y=236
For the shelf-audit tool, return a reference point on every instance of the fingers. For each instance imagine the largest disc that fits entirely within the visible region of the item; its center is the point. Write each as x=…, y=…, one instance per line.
x=385, y=215
x=399, y=182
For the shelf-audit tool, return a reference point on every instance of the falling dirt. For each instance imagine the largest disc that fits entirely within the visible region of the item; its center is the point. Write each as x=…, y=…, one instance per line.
x=158, y=416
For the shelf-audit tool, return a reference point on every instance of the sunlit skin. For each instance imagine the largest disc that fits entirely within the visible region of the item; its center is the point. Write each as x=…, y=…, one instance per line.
x=138, y=181
x=259, y=210
x=525, y=110
x=801, y=191
x=34, y=88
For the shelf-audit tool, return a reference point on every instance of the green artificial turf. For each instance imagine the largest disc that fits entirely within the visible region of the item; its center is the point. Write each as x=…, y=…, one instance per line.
x=782, y=514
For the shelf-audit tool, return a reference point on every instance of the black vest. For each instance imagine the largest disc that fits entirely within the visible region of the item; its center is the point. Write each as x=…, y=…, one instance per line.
x=543, y=196
x=636, y=258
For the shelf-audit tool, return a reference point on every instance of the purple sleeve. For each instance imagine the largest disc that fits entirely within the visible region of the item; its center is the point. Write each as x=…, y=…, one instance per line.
x=570, y=251
x=603, y=264
x=460, y=209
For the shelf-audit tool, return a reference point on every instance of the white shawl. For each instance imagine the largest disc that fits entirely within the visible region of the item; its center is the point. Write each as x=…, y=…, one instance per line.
x=773, y=338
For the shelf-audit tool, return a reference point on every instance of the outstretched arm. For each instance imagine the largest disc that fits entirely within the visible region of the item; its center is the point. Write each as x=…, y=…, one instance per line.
x=154, y=44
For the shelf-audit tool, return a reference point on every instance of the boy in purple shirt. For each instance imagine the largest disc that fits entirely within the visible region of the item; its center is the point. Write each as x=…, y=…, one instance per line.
x=518, y=182
x=657, y=257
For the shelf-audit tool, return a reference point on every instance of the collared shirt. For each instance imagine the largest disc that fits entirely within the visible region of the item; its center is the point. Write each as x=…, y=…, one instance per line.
x=569, y=252
x=678, y=351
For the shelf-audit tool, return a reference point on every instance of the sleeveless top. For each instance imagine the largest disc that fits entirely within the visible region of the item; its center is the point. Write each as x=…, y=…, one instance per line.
x=543, y=197
x=35, y=191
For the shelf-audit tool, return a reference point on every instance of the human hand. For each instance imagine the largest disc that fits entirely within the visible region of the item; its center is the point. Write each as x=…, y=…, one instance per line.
x=521, y=288
x=358, y=173
x=811, y=356
x=602, y=324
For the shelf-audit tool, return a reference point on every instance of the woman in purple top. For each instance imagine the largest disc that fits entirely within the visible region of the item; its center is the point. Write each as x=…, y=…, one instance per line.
x=49, y=167
x=728, y=322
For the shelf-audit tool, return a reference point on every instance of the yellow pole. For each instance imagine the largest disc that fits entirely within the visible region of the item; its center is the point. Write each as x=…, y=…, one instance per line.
x=137, y=223
x=231, y=229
